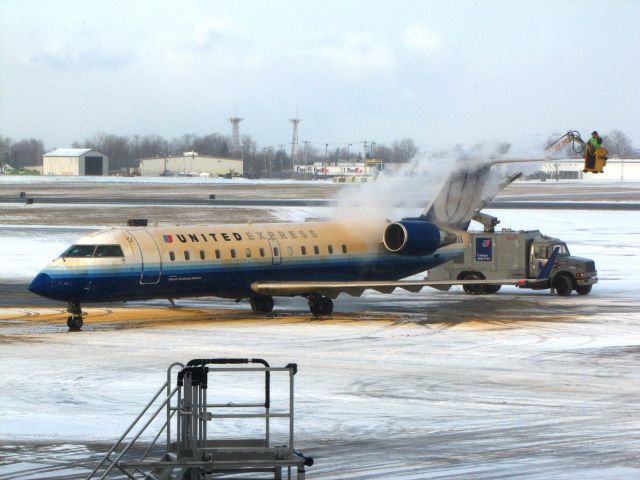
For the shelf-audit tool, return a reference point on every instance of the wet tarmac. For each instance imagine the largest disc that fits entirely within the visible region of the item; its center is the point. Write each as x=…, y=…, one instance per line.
x=429, y=385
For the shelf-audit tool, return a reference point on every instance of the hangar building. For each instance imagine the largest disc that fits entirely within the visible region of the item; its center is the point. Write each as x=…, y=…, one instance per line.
x=190, y=164
x=75, y=161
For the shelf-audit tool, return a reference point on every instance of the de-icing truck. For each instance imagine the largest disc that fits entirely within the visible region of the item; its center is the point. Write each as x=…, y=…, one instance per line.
x=509, y=254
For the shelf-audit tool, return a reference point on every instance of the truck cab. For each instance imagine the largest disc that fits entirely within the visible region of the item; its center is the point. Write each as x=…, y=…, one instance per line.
x=577, y=272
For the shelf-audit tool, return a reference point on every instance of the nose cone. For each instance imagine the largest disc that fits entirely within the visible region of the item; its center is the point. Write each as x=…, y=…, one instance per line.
x=42, y=285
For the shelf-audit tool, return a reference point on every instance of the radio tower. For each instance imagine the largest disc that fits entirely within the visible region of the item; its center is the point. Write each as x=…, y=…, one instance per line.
x=235, y=134
x=294, y=140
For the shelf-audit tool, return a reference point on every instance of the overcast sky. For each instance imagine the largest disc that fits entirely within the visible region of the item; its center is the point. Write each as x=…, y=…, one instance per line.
x=440, y=72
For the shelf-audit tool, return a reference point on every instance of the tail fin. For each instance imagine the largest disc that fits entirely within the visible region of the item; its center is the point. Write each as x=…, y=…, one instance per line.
x=546, y=270
x=465, y=192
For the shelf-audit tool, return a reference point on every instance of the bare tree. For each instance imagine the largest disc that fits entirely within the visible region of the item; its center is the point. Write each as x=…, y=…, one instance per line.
x=404, y=150
x=5, y=150
x=503, y=148
x=618, y=143
x=26, y=152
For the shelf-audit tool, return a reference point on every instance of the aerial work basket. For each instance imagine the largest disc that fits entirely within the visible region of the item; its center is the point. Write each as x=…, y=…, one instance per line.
x=594, y=162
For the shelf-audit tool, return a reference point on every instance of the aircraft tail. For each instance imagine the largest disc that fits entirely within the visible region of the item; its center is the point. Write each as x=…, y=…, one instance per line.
x=465, y=192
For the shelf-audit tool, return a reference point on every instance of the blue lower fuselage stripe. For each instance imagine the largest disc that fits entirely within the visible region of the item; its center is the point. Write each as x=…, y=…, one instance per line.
x=232, y=280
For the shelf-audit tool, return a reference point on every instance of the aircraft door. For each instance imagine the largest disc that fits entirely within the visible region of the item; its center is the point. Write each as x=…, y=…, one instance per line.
x=150, y=255
x=276, y=253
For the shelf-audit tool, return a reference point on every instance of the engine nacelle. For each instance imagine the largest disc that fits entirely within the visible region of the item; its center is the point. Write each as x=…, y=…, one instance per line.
x=412, y=237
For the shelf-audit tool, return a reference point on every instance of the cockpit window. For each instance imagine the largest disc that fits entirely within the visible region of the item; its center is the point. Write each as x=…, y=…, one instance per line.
x=88, y=251
x=109, y=251
x=76, y=251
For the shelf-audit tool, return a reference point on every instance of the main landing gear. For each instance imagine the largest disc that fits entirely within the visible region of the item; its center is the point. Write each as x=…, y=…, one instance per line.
x=261, y=304
x=319, y=305
x=74, y=320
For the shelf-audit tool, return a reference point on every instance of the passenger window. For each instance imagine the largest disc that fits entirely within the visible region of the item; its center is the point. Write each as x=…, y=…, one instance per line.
x=172, y=256
x=330, y=249
x=218, y=254
x=261, y=252
x=233, y=253
x=247, y=253
x=75, y=251
x=201, y=254
x=187, y=256
x=290, y=251
x=303, y=250
x=109, y=251
x=344, y=248
x=276, y=252
x=316, y=249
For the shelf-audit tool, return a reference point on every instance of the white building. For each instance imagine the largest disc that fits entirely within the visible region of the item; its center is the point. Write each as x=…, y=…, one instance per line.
x=619, y=169
x=331, y=169
x=75, y=161
x=191, y=164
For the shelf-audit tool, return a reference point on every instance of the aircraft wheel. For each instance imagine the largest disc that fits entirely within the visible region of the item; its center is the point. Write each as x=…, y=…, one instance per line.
x=563, y=285
x=326, y=306
x=491, y=289
x=75, y=323
x=321, y=306
x=314, y=307
x=583, y=289
x=262, y=304
x=473, y=289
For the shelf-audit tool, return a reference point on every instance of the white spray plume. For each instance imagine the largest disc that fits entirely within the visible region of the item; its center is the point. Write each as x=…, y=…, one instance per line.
x=410, y=188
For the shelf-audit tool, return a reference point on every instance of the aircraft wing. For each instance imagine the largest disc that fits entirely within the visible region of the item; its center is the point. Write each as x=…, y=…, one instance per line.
x=355, y=289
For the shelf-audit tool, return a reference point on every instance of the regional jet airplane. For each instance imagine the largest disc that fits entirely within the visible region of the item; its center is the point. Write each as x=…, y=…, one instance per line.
x=317, y=260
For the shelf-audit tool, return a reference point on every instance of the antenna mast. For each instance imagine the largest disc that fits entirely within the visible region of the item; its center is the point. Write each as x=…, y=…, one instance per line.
x=294, y=139
x=235, y=134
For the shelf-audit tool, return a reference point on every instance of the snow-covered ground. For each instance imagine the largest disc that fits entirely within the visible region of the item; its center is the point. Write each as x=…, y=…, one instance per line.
x=428, y=385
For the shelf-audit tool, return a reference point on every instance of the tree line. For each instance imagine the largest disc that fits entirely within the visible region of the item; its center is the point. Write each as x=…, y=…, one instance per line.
x=124, y=152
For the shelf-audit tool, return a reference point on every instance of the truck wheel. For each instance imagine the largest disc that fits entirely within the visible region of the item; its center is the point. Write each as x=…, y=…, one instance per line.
x=583, y=289
x=491, y=289
x=563, y=285
x=473, y=289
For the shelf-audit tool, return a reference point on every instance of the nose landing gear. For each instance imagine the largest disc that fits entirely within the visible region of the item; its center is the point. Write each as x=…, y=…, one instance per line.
x=74, y=320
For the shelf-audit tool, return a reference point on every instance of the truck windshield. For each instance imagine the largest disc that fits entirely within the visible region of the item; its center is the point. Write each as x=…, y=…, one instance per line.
x=543, y=252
